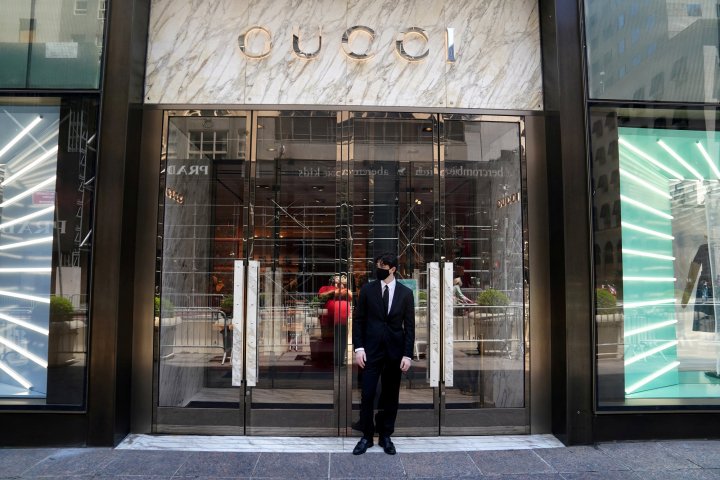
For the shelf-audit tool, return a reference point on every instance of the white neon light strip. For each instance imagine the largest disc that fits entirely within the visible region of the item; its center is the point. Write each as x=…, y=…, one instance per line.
x=34, y=241
x=650, y=352
x=23, y=296
x=20, y=135
x=651, y=377
x=39, y=213
x=647, y=208
x=649, y=328
x=26, y=270
x=32, y=165
x=649, y=279
x=680, y=160
x=641, y=182
x=24, y=324
x=25, y=353
x=647, y=230
x=15, y=376
x=28, y=192
x=650, y=159
x=640, y=253
x=709, y=160
x=650, y=303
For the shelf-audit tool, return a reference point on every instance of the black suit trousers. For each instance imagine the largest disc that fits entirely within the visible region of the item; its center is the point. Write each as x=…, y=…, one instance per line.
x=387, y=371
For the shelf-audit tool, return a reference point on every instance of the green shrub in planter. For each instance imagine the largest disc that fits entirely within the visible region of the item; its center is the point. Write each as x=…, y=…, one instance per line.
x=226, y=305
x=422, y=297
x=60, y=307
x=168, y=309
x=604, y=299
x=493, y=298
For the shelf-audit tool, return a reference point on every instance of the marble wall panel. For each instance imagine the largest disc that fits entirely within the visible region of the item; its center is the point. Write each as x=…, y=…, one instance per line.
x=285, y=78
x=194, y=57
x=193, y=54
x=386, y=79
x=498, y=55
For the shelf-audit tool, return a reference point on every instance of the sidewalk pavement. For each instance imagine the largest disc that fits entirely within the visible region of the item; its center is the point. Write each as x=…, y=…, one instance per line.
x=657, y=460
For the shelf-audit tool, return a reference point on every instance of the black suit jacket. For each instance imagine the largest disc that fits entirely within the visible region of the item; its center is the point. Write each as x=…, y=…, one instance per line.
x=381, y=333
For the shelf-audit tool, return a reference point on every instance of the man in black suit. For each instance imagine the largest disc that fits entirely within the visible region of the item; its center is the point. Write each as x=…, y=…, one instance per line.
x=383, y=338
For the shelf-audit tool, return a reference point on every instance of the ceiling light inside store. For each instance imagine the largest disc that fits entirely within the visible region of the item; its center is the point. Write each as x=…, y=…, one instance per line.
x=650, y=159
x=271, y=149
x=709, y=160
x=32, y=165
x=15, y=376
x=680, y=160
x=20, y=135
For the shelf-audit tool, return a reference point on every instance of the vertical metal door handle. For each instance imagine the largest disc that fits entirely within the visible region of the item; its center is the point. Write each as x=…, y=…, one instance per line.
x=238, y=323
x=433, y=273
x=448, y=321
x=251, y=360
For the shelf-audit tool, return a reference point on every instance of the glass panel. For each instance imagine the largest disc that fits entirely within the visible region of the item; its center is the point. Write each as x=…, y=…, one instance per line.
x=656, y=277
x=658, y=51
x=304, y=298
x=46, y=160
x=51, y=43
x=484, y=240
x=392, y=185
x=202, y=232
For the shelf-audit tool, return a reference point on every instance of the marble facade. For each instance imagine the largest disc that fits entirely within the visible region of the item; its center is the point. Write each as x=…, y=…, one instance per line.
x=194, y=55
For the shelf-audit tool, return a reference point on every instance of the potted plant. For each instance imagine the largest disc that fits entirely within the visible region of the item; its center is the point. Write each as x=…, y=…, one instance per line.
x=492, y=298
x=226, y=305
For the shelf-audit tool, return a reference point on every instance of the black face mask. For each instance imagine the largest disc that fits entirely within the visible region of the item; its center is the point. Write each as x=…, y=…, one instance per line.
x=381, y=273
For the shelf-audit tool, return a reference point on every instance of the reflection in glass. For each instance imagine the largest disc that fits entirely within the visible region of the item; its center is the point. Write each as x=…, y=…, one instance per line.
x=51, y=43
x=657, y=51
x=202, y=231
x=45, y=202
x=657, y=335
x=484, y=240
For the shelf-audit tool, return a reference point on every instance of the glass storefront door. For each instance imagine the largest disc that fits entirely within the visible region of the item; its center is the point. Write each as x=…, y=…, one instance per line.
x=271, y=222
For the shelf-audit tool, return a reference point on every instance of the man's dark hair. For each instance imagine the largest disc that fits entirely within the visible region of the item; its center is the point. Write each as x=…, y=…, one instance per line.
x=387, y=258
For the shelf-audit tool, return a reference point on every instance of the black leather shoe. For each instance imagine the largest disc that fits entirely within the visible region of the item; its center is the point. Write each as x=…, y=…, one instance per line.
x=362, y=446
x=387, y=445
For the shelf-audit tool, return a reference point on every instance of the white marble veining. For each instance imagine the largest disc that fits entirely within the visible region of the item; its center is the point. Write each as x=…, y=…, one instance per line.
x=448, y=323
x=251, y=363
x=238, y=322
x=194, y=56
x=434, y=306
x=499, y=59
x=333, y=444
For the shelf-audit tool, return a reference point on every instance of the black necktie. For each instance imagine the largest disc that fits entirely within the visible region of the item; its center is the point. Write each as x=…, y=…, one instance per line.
x=386, y=298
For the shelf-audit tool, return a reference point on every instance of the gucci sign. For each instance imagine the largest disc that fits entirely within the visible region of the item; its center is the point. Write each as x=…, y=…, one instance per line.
x=348, y=37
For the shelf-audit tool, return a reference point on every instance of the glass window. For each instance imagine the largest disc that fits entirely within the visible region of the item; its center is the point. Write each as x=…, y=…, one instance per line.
x=51, y=43
x=46, y=172
x=658, y=343
x=659, y=33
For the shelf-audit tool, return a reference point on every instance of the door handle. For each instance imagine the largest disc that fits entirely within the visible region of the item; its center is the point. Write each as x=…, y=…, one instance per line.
x=251, y=360
x=238, y=322
x=433, y=353
x=448, y=323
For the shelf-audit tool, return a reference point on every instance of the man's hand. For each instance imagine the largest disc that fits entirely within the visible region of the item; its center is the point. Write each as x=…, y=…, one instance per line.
x=360, y=358
x=405, y=364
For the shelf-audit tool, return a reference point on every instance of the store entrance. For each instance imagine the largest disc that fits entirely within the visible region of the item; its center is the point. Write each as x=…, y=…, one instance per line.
x=270, y=224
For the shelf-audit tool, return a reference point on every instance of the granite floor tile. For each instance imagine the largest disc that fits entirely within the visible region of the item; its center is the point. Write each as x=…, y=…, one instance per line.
x=510, y=462
x=14, y=461
x=690, y=474
x=144, y=463
x=580, y=459
x=525, y=476
x=703, y=453
x=645, y=456
x=347, y=465
x=292, y=465
x=71, y=461
x=218, y=464
x=438, y=465
x=609, y=475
